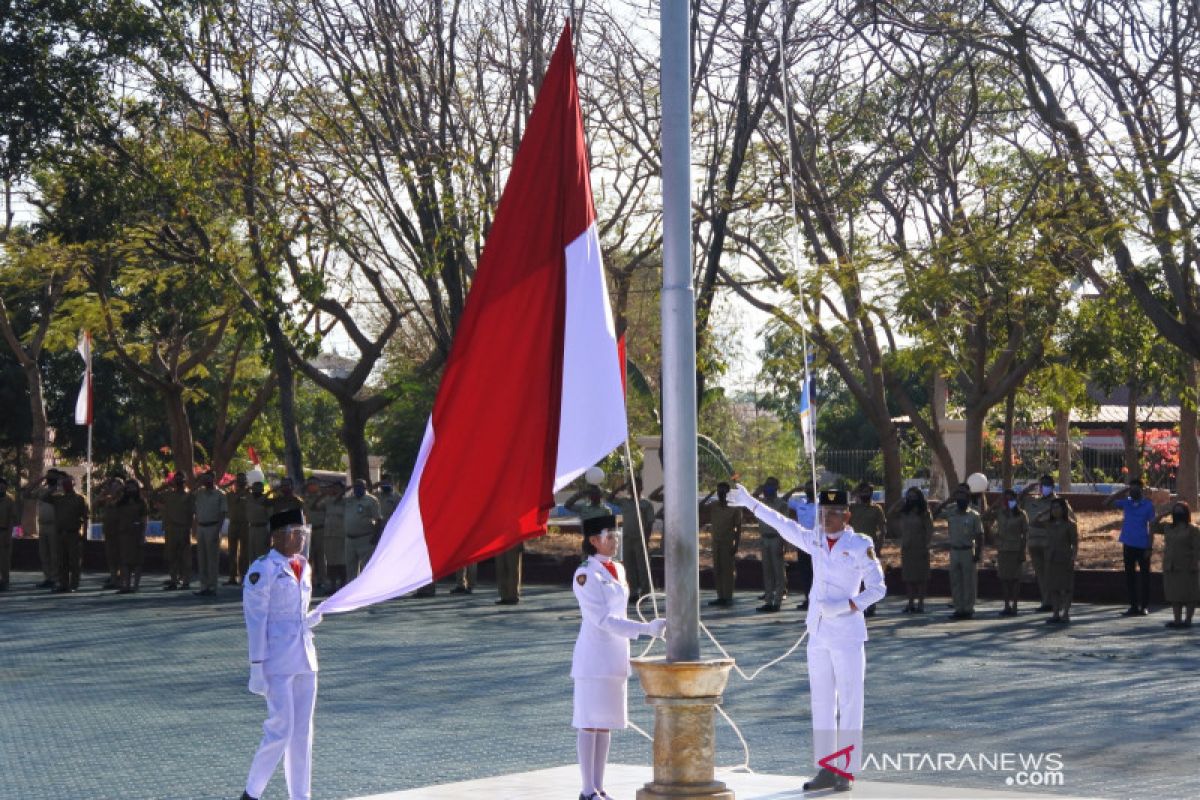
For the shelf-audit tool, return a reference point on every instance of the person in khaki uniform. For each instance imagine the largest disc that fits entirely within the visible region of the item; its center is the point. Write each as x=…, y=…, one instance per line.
x=508, y=575
x=635, y=541
x=1181, y=563
x=47, y=538
x=1012, y=531
x=465, y=579
x=70, y=520
x=725, y=523
x=774, y=573
x=335, y=534
x=361, y=519
x=314, y=501
x=8, y=520
x=130, y=521
x=868, y=518
x=1062, y=546
x=238, y=535
x=258, y=517
x=1035, y=507
x=913, y=525
x=178, y=512
x=211, y=511
x=110, y=493
x=966, y=548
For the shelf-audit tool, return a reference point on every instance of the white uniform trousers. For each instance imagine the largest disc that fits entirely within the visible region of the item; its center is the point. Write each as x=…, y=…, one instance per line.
x=835, y=683
x=287, y=733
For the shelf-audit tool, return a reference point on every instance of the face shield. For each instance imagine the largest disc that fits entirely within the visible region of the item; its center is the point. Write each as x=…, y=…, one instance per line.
x=294, y=540
x=832, y=520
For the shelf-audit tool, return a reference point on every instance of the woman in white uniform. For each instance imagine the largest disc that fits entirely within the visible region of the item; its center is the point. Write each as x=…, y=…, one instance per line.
x=600, y=664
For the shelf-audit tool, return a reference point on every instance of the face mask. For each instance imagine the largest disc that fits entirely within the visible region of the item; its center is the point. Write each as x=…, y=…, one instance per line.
x=386, y=488
x=359, y=491
x=1047, y=491
x=769, y=492
x=1012, y=504
x=1179, y=518
x=909, y=502
x=1135, y=494
x=962, y=503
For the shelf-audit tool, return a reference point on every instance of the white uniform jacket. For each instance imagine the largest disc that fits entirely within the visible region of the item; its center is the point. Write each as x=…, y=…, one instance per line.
x=275, y=604
x=850, y=570
x=602, y=649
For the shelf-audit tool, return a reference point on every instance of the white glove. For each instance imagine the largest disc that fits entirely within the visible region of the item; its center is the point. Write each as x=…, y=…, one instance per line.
x=658, y=628
x=258, y=680
x=835, y=608
x=313, y=619
x=741, y=498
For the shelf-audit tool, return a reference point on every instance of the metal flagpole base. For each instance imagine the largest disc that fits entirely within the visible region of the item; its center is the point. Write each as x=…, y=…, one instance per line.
x=684, y=695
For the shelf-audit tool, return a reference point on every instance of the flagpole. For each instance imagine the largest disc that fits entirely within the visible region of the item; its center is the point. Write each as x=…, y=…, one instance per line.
x=681, y=543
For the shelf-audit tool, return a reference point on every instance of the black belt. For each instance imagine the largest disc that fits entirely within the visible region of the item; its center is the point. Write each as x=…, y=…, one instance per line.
x=206, y=524
x=360, y=535
x=962, y=547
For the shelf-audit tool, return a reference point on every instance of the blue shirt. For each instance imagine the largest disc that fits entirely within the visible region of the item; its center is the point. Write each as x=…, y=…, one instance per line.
x=806, y=512
x=1135, y=528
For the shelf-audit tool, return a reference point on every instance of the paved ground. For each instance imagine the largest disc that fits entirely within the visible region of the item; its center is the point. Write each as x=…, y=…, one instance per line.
x=143, y=696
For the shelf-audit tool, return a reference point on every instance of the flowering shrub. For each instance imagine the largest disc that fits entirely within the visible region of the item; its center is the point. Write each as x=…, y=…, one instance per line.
x=1160, y=455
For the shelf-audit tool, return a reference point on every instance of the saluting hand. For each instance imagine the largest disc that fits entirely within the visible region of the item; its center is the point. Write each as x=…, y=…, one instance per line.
x=740, y=497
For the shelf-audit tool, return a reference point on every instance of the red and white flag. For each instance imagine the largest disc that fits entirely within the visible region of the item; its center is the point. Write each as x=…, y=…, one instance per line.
x=531, y=395
x=83, y=404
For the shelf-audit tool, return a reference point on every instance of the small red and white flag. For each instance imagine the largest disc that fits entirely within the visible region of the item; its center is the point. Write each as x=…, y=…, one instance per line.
x=83, y=404
x=531, y=396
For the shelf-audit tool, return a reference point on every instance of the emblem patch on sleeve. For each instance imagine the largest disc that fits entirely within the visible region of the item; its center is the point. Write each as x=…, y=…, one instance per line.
x=253, y=577
x=581, y=579
x=871, y=554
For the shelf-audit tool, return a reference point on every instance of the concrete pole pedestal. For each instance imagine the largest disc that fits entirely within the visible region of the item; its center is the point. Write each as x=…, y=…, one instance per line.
x=684, y=695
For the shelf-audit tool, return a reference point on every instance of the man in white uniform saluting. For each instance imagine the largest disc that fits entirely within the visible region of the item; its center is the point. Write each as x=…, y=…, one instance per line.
x=283, y=661
x=847, y=579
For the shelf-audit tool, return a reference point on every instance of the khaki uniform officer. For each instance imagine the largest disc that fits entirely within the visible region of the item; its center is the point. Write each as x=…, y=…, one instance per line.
x=238, y=536
x=847, y=578
x=913, y=526
x=725, y=522
x=1035, y=501
x=1062, y=546
x=1012, y=531
x=211, y=511
x=508, y=575
x=178, y=511
x=258, y=516
x=1181, y=564
x=283, y=659
x=47, y=538
x=335, y=535
x=130, y=520
x=774, y=573
x=70, y=519
x=8, y=520
x=314, y=502
x=869, y=519
x=110, y=495
x=361, y=519
x=634, y=543
x=966, y=548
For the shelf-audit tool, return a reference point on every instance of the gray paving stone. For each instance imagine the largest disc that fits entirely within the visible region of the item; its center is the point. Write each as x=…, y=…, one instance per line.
x=144, y=697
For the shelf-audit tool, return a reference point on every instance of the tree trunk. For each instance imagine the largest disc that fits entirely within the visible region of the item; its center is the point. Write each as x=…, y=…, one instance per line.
x=893, y=465
x=1010, y=413
x=1133, y=455
x=180, y=427
x=1062, y=441
x=39, y=427
x=941, y=466
x=1186, y=478
x=354, y=437
x=293, y=458
x=973, y=458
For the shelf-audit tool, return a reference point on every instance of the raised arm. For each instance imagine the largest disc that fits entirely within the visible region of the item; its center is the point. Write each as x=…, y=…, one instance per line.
x=789, y=529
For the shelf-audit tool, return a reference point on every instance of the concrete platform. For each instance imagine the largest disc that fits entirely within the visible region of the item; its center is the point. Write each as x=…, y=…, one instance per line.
x=623, y=781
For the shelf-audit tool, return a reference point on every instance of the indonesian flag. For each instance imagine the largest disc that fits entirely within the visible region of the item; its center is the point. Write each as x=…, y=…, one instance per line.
x=531, y=395
x=83, y=404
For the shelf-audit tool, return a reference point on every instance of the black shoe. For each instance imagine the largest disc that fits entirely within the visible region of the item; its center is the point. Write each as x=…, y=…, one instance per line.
x=762, y=597
x=870, y=612
x=841, y=784
x=720, y=603
x=60, y=590
x=185, y=585
x=920, y=609
x=767, y=608
x=205, y=593
x=802, y=606
x=825, y=779
x=1143, y=612
x=167, y=583
x=458, y=590
x=507, y=601
x=170, y=586
x=125, y=590
x=246, y=796
x=1045, y=607
x=1132, y=611
x=109, y=584
x=45, y=585
x=1056, y=619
